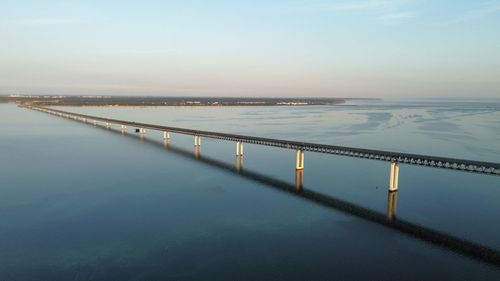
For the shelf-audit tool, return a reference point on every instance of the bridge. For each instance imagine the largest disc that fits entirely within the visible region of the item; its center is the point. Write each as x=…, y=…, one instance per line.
x=395, y=158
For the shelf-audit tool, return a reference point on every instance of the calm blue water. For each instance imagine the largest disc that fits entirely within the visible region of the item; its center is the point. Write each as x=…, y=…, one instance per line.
x=82, y=203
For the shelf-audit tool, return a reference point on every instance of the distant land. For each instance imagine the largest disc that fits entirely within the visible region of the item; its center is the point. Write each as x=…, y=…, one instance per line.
x=57, y=100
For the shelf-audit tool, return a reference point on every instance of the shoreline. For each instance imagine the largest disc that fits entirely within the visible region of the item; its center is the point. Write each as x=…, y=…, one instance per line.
x=124, y=101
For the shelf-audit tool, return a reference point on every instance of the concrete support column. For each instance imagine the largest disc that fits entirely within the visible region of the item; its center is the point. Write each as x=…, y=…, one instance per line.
x=239, y=148
x=108, y=125
x=392, y=205
x=95, y=122
x=142, y=131
x=394, y=177
x=124, y=128
x=300, y=160
x=197, y=141
x=166, y=135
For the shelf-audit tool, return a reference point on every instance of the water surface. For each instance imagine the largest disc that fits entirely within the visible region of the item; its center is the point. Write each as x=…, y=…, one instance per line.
x=83, y=203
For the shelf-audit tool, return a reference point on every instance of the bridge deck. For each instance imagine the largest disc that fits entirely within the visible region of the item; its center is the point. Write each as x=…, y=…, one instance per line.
x=473, y=166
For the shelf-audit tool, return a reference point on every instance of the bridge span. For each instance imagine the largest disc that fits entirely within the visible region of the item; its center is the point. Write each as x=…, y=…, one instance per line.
x=395, y=158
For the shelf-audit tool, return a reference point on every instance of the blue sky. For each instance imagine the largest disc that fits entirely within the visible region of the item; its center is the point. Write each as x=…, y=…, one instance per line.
x=337, y=48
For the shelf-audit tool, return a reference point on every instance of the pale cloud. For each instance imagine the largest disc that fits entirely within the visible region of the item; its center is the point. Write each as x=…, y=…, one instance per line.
x=394, y=18
x=487, y=9
x=359, y=5
x=387, y=12
x=148, y=51
x=42, y=21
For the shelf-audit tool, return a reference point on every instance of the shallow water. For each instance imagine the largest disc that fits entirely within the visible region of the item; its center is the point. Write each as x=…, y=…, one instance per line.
x=80, y=202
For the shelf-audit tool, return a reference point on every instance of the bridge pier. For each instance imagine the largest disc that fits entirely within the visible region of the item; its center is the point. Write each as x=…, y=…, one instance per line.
x=239, y=148
x=108, y=125
x=142, y=131
x=299, y=164
x=197, y=141
x=394, y=177
x=166, y=135
x=95, y=122
x=392, y=205
x=124, y=128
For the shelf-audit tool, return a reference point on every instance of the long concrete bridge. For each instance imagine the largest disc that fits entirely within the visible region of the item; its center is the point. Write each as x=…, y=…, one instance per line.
x=394, y=158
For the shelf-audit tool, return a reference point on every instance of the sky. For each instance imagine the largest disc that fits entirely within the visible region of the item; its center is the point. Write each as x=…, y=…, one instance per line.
x=308, y=48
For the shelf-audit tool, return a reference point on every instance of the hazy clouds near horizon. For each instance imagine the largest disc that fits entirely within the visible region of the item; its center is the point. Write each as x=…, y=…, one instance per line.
x=366, y=48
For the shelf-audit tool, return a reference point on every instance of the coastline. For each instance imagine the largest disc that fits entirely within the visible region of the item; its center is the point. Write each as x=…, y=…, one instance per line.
x=125, y=101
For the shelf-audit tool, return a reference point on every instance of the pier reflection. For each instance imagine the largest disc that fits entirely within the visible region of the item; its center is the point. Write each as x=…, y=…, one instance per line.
x=447, y=241
x=197, y=152
x=392, y=205
x=239, y=163
x=299, y=180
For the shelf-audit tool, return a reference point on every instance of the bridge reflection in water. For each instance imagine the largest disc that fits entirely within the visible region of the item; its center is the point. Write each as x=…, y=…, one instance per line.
x=447, y=241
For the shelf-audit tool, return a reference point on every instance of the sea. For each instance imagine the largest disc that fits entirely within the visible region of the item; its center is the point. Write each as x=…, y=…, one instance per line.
x=82, y=202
